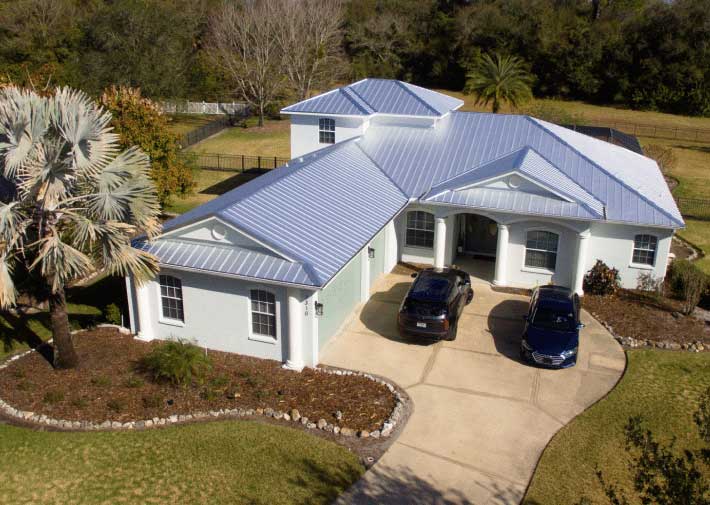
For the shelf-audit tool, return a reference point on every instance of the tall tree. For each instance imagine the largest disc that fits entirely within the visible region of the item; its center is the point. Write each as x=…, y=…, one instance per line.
x=71, y=202
x=310, y=41
x=499, y=79
x=242, y=41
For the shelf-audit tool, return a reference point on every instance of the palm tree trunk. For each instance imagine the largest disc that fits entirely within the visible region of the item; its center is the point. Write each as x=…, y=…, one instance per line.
x=496, y=106
x=64, y=353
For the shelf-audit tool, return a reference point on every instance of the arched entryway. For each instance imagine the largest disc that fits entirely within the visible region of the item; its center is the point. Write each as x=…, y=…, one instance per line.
x=476, y=238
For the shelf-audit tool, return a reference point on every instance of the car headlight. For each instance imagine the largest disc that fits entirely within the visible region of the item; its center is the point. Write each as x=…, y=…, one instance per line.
x=526, y=346
x=569, y=353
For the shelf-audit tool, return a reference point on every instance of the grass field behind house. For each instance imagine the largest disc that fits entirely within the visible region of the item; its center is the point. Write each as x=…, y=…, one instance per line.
x=270, y=140
x=662, y=386
x=180, y=124
x=205, y=463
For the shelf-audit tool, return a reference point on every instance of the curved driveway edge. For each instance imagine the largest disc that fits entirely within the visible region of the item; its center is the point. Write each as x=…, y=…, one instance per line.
x=481, y=418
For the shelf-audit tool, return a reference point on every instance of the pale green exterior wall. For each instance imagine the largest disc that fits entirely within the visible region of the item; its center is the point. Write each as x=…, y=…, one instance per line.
x=377, y=264
x=339, y=298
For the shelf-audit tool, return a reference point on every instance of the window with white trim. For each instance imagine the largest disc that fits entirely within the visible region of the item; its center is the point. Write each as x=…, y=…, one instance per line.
x=420, y=229
x=263, y=313
x=541, y=249
x=644, y=249
x=171, y=298
x=326, y=130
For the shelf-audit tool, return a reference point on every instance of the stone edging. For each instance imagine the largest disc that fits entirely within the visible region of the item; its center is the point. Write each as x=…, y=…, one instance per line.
x=639, y=343
x=293, y=415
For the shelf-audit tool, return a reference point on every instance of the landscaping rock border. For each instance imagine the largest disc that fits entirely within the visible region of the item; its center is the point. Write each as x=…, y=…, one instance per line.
x=291, y=416
x=637, y=343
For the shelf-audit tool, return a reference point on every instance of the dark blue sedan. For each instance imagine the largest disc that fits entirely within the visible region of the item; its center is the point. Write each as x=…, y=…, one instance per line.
x=551, y=336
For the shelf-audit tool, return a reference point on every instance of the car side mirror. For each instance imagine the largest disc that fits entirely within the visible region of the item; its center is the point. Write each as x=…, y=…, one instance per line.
x=414, y=275
x=580, y=326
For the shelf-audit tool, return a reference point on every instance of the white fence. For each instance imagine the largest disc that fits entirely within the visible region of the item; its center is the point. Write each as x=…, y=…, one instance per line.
x=186, y=107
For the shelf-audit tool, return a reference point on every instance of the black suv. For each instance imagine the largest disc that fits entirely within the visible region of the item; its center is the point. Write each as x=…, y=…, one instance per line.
x=434, y=303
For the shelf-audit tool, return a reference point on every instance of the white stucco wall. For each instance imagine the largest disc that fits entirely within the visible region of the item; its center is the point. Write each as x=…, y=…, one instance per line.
x=304, y=132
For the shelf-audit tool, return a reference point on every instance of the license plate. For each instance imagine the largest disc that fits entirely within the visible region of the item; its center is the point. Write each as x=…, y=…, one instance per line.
x=421, y=325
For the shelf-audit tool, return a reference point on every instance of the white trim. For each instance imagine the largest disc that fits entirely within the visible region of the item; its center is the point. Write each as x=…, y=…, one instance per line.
x=265, y=339
x=129, y=298
x=544, y=271
x=522, y=176
x=231, y=226
x=432, y=231
x=644, y=266
x=360, y=116
x=168, y=320
x=235, y=276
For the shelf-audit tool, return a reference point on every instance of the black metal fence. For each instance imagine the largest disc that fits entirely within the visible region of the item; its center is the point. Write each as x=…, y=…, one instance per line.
x=657, y=131
x=237, y=162
x=694, y=208
x=204, y=131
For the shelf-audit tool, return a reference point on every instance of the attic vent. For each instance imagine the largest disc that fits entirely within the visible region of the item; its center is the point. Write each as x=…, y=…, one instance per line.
x=219, y=231
x=514, y=181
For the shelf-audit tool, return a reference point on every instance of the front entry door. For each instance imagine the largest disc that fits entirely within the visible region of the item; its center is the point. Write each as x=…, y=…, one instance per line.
x=480, y=235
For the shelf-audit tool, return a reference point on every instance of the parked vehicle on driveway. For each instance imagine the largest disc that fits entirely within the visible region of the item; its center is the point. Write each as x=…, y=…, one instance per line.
x=551, y=335
x=434, y=303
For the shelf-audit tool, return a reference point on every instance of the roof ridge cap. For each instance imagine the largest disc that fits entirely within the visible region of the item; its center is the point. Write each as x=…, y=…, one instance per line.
x=536, y=122
x=405, y=87
x=377, y=165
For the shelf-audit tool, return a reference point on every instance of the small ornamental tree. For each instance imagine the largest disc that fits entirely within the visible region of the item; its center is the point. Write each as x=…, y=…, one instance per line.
x=602, y=280
x=70, y=200
x=138, y=121
x=499, y=79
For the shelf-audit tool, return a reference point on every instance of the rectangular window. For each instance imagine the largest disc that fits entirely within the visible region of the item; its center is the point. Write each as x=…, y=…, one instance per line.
x=541, y=250
x=171, y=297
x=645, y=249
x=420, y=229
x=326, y=130
x=263, y=313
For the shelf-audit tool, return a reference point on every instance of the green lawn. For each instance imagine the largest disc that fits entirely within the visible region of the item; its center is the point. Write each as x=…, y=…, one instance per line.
x=235, y=462
x=208, y=185
x=180, y=124
x=272, y=139
x=662, y=386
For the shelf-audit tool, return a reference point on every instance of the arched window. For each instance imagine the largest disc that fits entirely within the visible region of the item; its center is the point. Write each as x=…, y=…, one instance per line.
x=263, y=313
x=541, y=249
x=645, y=249
x=171, y=298
x=420, y=229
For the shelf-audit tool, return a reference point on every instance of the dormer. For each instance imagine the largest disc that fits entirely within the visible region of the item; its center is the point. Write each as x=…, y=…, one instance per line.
x=347, y=112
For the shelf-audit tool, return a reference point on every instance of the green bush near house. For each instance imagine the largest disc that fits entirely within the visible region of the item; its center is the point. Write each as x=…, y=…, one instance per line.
x=688, y=283
x=602, y=280
x=178, y=362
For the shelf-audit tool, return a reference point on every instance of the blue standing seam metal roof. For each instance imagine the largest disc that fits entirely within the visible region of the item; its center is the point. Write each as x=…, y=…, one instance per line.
x=383, y=96
x=323, y=208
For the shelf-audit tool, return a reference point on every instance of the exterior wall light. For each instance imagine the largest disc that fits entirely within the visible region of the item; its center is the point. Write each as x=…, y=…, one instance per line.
x=319, y=309
x=371, y=252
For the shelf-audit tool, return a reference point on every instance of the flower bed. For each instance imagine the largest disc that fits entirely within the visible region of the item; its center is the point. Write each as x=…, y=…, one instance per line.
x=108, y=391
x=640, y=319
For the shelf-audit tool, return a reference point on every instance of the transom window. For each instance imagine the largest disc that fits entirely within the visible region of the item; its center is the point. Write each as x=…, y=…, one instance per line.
x=263, y=313
x=645, y=249
x=420, y=229
x=171, y=297
x=541, y=249
x=326, y=130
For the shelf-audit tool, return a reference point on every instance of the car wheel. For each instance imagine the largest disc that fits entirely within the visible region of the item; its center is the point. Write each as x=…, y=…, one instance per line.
x=453, y=331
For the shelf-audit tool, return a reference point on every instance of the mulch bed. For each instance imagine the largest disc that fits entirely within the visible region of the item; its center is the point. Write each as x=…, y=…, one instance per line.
x=107, y=386
x=640, y=315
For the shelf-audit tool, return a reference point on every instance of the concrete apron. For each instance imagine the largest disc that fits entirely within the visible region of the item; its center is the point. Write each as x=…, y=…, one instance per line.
x=481, y=417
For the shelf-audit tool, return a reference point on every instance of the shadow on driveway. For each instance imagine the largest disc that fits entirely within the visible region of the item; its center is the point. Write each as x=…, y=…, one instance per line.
x=505, y=322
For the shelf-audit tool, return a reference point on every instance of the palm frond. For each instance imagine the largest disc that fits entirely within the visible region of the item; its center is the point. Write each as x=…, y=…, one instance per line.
x=8, y=293
x=59, y=262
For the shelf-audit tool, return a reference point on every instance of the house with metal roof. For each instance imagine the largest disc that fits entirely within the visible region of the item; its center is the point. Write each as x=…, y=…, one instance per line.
x=385, y=172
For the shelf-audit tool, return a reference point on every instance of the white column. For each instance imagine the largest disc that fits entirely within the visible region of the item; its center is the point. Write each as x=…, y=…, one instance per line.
x=132, y=325
x=364, y=274
x=440, y=243
x=145, y=322
x=391, y=247
x=500, y=278
x=295, y=330
x=313, y=320
x=580, y=262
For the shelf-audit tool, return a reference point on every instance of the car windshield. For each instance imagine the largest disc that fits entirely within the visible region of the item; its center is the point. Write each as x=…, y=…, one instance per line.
x=550, y=318
x=431, y=288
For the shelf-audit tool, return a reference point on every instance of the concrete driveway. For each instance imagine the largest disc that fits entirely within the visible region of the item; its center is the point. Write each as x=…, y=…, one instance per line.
x=481, y=418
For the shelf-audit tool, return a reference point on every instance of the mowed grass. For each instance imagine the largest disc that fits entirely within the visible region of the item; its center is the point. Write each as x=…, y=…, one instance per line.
x=237, y=462
x=208, y=185
x=662, y=386
x=272, y=139
x=180, y=124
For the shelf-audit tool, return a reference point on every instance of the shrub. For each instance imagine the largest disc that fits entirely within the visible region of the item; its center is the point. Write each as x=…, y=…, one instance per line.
x=647, y=281
x=53, y=397
x=688, y=283
x=602, y=280
x=178, y=362
x=112, y=314
x=101, y=381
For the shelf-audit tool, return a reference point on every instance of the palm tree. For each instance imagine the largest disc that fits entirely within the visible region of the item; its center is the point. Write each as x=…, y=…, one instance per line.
x=70, y=200
x=501, y=79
